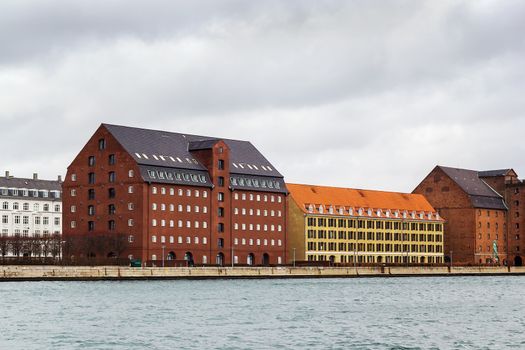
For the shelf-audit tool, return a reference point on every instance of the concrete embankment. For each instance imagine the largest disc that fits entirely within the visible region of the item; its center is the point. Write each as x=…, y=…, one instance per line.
x=42, y=273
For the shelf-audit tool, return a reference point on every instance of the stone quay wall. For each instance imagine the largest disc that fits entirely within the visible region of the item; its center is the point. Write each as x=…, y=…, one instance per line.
x=42, y=273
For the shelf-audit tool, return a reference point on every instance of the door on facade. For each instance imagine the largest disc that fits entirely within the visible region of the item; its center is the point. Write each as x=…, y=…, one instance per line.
x=171, y=256
x=189, y=259
x=220, y=259
x=266, y=259
x=250, y=259
x=518, y=261
x=332, y=259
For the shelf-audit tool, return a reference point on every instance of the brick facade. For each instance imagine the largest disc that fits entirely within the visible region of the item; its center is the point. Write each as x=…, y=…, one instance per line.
x=110, y=191
x=470, y=231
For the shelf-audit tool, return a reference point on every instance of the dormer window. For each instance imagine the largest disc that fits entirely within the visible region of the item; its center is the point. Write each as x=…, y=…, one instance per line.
x=378, y=213
x=369, y=212
x=331, y=210
x=310, y=208
x=321, y=209
x=351, y=211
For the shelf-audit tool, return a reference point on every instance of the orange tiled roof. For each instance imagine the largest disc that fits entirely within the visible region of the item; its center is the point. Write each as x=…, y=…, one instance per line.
x=305, y=195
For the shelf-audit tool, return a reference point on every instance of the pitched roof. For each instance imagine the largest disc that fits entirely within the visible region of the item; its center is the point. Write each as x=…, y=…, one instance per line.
x=30, y=184
x=357, y=198
x=169, y=149
x=494, y=173
x=480, y=193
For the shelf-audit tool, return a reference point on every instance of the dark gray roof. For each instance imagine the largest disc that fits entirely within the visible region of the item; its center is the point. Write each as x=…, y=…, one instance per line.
x=30, y=184
x=200, y=145
x=12, y=186
x=494, y=173
x=480, y=193
x=168, y=149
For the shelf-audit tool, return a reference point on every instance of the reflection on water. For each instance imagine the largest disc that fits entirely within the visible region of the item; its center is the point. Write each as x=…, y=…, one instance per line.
x=377, y=313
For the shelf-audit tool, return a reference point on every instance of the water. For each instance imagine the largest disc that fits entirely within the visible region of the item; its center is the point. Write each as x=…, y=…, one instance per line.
x=375, y=313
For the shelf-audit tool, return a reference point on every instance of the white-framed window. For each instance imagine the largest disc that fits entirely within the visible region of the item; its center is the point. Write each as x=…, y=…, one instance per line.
x=163, y=190
x=163, y=223
x=205, y=209
x=279, y=242
x=205, y=194
x=180, y=191
x=154, y=222
x=188, y=240
x=172, y=223
x=153, y=206
x=130, y=206
x=130, y=222
x=188, y=193
x=197, y=193
x=162, y=206
x=154, y=190
x=196, y=240
x=196, y=209
x=172, y=191
x=162, y=239
x=172, y=239
x=154, y=239
x=188, y=208
x=179, y=208
x=73, y=192
x=188, y=224
x=236, y=196
x=251, y=241
x=130, y=189
x=204, y=224
x=73, y=209
x=243, y=241
x=131, y=173
x=179, y=223
x=172, y=207
x=204, y=240
x=73, y=224
x=236, y=226
x=153, y=257
x=179, y=239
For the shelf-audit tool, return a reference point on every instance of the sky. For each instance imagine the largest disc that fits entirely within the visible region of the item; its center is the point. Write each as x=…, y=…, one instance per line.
x=363, y=94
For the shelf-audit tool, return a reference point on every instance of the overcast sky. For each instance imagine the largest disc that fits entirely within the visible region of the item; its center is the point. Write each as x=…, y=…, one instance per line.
x=366, y=94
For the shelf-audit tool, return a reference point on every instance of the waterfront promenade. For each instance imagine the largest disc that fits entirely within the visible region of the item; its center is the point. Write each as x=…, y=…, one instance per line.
x=42, y=273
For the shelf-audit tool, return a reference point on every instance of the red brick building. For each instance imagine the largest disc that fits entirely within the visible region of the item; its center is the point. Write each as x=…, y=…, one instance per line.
x=175, y=197
x=475, y=215
x=507, y=184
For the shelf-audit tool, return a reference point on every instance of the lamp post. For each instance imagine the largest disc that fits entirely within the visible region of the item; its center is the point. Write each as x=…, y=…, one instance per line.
x=163, y=247
x=293, y=257
x=232, y=255
x=451, y=259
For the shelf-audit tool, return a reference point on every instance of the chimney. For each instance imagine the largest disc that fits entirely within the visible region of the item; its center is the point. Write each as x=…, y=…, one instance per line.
x=7, y=174
x=59, y=178
x=35, y=176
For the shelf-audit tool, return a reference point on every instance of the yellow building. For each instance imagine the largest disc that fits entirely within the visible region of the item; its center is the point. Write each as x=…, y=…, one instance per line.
x=344, y=225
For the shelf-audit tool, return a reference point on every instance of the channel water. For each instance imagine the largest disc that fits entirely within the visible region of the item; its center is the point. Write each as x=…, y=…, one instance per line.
x=363, y=313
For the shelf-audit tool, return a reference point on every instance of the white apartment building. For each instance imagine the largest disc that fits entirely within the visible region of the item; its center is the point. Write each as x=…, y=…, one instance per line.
x=30, y=207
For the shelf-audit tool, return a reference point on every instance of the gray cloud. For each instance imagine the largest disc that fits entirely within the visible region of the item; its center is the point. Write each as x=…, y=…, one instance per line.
x=351, y=93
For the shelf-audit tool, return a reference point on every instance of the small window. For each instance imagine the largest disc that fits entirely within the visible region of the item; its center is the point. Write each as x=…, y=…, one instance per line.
x=111, y=159
x=102, y=144
x=91, y=161
x=91, y=178
x=221, y=164
x=131, y=173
